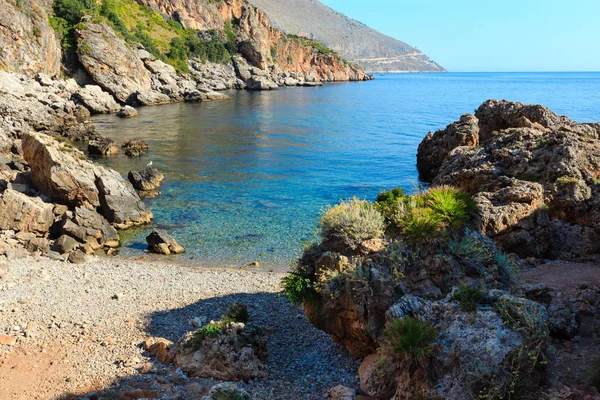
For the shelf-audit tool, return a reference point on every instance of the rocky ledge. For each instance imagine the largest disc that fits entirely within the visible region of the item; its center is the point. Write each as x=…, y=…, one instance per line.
x=533, y=174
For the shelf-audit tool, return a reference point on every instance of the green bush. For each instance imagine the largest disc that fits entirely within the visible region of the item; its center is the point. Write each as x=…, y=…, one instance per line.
x=352, y=221
x=468, y=297
x=507, y=268
x=72, y=10
x=455, y=209
x=297, y=288
x=410, y=337
x=237, y=313
x=594, y=373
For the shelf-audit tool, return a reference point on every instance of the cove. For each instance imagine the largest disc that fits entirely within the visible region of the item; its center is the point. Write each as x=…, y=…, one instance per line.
x=246, y=178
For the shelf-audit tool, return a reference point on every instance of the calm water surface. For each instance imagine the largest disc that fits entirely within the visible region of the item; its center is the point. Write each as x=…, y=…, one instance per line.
x=246, y=178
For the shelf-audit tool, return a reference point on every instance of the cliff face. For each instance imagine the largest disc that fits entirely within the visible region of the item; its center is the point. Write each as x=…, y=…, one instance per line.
x=28, y=44
x=259, y=41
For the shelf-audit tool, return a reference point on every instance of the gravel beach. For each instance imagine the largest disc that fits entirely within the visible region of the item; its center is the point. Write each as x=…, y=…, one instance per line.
x=79, y=329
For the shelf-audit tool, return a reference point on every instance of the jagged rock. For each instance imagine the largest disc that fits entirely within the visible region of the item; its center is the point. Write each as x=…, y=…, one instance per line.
x=147, y=179
x=434, y=148
x=29, y=45
x=160, y=67
x=89, y=227
x=151, y=97
x=533, y=174
x=110, y=62
x=60, y=173
x=78, y=257
x=64, y=244
x=163, y=349
x=135, y=147
x=239, y=352
x=40, y=245
x=127, y=112
x=260, y=83
x=96, y=100
x=20, y=212
x=159, y=241
x=103, y=147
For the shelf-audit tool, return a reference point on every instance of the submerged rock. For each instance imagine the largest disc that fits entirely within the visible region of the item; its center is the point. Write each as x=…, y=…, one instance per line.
x=135, y=147
x=159, y=241
x=147, y=179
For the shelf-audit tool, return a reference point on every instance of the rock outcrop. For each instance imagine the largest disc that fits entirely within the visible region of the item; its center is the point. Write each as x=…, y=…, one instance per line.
x=21, y=213
x=103, y=147
x=96, y=100
x=147, y=179
x=237, y=352
x=110, y=61
x=28, y=44
x=534, y=175
x=135, y=147
x=60, y=173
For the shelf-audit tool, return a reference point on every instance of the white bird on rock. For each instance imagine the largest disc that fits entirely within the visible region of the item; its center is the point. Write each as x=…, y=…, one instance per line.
x=149, y=164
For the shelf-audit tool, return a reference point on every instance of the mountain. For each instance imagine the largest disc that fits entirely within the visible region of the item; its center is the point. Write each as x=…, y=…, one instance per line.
x=373, y=50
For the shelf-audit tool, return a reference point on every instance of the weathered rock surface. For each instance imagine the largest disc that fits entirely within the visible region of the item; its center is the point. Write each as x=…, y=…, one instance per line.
x=533, y=173
x=27, y=42
x=110, y=62
x=127, y=112
x=19, y=212
x=135, y=147
x=239, y=352
x=60, y=173
x=96, y=100
x=103, y=147
x=159, y=241
x=146, y=179
x=87, y=227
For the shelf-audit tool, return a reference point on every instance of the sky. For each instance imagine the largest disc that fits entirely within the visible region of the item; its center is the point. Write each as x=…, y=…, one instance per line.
x=490, y=35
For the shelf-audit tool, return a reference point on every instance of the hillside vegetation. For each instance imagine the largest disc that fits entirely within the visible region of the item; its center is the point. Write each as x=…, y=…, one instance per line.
x=353, y=40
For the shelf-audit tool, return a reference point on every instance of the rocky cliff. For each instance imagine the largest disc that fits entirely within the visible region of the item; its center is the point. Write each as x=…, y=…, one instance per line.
x=374, y=51
x=27, y=42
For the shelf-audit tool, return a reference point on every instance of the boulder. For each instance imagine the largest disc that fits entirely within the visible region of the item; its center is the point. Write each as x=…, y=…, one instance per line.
x=260, y=83
x=159, y=241
x=103, y=147
x=77, y=257
x=341, y=393
x=227, y=390
x=19, y=212
x=162, y=349
x=64, y=244
x=237, y=352
x=112, y=64
x=60, y=172
x=135, y=147
x=147, y=179
x=88, y=227
x=127, y=112
x=96, y=100
x=151, y=97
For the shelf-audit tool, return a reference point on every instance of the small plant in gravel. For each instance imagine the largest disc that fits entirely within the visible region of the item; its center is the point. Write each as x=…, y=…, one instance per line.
x=352, y=221
x=468, y=297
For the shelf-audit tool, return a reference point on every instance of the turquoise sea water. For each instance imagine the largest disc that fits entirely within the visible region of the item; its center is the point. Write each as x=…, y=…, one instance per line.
x=246, y=178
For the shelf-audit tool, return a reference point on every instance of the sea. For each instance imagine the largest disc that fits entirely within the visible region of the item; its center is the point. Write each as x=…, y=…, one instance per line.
x=246, y=179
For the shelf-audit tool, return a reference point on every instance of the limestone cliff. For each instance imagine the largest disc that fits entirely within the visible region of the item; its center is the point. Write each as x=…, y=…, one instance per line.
x=27, y=42
x=259, y=41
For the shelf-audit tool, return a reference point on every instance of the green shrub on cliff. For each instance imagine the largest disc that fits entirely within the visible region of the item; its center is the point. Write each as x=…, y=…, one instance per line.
x=468, y=297
x=352, y=221
x=297, y=288
x=410, y=339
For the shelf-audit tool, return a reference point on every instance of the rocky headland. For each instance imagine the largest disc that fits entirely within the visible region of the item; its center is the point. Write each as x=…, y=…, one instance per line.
x=463, y=290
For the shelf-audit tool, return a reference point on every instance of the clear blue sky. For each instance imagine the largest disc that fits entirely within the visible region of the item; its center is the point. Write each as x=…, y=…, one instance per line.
x=490, y=35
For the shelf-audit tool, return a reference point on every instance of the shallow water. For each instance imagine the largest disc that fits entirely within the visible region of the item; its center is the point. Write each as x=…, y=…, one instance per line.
x=246, y=178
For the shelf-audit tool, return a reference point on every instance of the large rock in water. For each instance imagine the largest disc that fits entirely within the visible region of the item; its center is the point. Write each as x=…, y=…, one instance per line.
x=110, y=62
x=19, y=212
x=146, y=179
x=534, y=175
x=159, y=241
x=61, y=173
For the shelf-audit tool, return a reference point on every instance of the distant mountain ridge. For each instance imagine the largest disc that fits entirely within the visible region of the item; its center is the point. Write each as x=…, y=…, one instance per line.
x=354, y=40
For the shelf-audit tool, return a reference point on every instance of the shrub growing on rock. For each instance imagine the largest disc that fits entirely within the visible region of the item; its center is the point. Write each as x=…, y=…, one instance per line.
x=351, y=222
x=468, y=297
x=237, y=312
x=410, y=337
x=297, y=288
